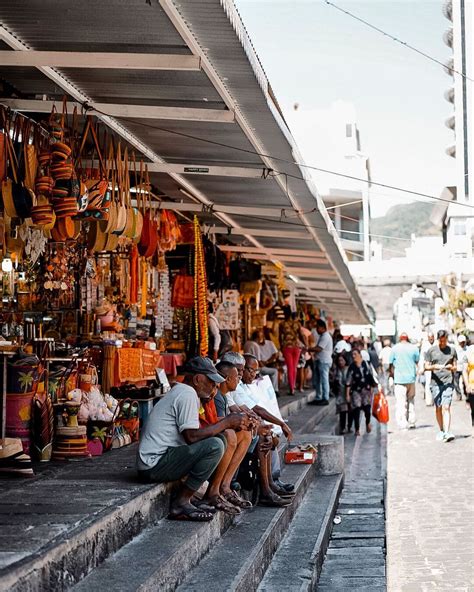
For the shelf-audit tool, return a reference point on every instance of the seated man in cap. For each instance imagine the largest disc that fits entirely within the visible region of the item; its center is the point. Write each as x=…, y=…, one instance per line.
x=173, y=445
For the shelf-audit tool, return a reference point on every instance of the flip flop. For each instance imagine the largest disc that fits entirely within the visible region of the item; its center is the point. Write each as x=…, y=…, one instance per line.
x=235, y=499
x=191, y=514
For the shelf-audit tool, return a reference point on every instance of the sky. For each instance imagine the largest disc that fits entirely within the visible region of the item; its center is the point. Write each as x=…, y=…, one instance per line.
x=315, y=56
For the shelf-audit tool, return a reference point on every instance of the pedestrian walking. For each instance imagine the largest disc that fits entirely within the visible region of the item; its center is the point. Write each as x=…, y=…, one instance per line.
x=403, y=361
x=468, y=375
x=359, y=384
x=384, y=366
x=461, y=348
x=322, y=362
x=290, y=334
x=441, y=360
x=338, y=385
x=426, y=344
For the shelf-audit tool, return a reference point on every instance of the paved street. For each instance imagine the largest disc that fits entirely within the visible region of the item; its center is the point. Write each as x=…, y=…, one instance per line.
x=430, y=513
x=355, y=558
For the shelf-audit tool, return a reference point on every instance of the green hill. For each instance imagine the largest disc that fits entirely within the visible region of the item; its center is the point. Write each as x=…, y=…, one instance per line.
x=403, y=220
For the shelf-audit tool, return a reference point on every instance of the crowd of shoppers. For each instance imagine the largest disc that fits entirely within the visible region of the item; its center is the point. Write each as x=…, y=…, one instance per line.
x=214, y=430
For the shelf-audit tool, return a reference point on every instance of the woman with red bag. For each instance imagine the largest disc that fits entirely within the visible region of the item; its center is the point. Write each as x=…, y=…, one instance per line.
x=359, y=384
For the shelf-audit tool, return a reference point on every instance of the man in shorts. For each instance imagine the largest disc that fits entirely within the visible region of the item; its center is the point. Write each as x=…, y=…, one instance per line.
x=441, y=360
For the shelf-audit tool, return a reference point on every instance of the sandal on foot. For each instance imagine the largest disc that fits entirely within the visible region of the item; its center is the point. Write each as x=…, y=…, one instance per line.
x=203, y=505
x=191, y=514
x=220, y=503
x=235, y=499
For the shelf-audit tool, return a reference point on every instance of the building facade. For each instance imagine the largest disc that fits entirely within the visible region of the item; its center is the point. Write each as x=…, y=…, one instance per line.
x=348, y=200
x=458, y=220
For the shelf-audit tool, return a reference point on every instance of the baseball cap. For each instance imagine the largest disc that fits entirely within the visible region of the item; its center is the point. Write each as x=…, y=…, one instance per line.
x=404, y=336
x=461, y=338
x=201, y=365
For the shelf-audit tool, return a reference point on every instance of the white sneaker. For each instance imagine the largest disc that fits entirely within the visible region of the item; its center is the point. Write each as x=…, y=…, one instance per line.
x=448, y=437
x=440, y=436
x=411, y=426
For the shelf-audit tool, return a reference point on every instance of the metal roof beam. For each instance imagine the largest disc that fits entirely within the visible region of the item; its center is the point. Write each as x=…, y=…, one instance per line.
x=258, y=232
x=108, y=60
x=129, y=111
x=270, y=256
x=207, y=170
x=218, y=208
x=300, y=252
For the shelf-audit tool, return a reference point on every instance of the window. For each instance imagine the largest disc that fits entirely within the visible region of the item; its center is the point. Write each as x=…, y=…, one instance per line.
x=348, y=130
x=459, y=229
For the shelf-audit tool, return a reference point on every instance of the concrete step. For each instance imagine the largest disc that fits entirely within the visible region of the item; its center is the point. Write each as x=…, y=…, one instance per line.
x=162, y=556
x=158, y=559
x=297, y=563
x=239, y=560
x=73, y=517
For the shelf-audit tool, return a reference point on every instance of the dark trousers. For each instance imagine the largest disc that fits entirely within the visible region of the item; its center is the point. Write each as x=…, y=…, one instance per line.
x=343, y=420
x=198, y=461
x=355, y=416
x=470, y=399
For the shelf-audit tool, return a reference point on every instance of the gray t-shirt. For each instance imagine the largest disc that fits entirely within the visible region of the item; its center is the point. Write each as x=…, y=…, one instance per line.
x=446, y=356
x=177, y=411
x=222, y=405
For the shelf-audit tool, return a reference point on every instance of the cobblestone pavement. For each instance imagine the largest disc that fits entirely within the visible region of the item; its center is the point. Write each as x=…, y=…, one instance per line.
x=430, y=504
x=355, y=558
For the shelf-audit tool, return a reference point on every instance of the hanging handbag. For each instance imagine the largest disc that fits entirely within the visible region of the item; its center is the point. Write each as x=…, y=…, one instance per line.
x=183, y=291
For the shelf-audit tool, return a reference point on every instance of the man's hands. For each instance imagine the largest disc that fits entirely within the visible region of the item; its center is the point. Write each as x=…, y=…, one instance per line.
x=238, y=421
x=287, y=431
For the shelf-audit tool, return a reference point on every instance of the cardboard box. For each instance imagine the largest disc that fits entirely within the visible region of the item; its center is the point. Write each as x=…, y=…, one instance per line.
x=301, y=454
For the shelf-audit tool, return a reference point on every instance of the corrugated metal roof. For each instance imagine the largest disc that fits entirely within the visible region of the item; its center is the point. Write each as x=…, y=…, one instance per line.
x=231, y=78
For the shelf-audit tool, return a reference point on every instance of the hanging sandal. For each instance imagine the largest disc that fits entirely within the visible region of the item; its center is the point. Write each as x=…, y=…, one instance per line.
x=234, y=498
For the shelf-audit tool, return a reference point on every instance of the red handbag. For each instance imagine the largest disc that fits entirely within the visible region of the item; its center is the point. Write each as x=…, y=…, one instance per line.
x=380, y=407
x=183, y=291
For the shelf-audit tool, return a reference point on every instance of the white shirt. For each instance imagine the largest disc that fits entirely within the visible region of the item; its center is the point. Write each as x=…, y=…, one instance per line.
x=342, y=346
x=214, y=330
x=260, y=393
x=252, y=347
x=325, y=342
x=267, y=350
x=384, y=355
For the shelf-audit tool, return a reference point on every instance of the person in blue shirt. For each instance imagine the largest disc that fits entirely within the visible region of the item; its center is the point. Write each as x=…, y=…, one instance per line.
x=403, y=362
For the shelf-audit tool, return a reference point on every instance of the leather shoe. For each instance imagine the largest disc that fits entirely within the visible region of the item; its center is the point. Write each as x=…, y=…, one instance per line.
x=286, y=486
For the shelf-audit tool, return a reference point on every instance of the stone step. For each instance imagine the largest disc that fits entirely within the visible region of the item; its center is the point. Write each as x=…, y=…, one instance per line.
x=73, y=517
x=297, y=563
x=239, y=560
x=162, y=556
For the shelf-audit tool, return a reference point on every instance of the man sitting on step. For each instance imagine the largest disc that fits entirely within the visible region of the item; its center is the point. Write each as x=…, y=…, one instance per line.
x=273, y=493
x=219, y=494
x=173, y=445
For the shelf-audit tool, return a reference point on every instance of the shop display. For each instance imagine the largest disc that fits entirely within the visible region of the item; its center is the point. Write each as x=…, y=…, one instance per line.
x=103, y=294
